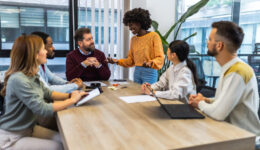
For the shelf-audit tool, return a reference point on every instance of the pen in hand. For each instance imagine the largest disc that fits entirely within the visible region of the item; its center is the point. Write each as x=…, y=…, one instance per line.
x=151, y=91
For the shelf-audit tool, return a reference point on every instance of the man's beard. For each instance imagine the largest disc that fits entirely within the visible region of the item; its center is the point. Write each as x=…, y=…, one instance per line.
x=213, y=52
x=51, y=56
x=89, y=48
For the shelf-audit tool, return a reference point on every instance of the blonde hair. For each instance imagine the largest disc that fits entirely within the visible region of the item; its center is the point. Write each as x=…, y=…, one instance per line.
x=23, y=57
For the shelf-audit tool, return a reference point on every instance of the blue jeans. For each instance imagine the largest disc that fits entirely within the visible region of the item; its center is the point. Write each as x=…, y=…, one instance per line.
x=142, y=74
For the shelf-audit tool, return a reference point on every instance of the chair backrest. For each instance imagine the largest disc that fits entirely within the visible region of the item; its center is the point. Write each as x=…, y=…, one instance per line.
x=192, y=48
x=254, y=62
x=257, y=48
x=206, y=91
x=200, y=70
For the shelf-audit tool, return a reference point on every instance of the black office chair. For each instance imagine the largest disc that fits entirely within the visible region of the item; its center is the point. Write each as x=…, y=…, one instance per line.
x=257, y=48
x=1, y=100
x=201, y=87
x=254, y=62
x=200, y=71
x=192, y=49
x=206, y=91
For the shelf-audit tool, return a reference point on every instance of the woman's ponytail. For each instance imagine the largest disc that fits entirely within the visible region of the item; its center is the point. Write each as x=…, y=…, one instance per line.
x=193, y=69
x=181, y=48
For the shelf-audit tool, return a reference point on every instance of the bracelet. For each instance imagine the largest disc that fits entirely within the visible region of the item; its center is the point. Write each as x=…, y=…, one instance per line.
x=69, y=95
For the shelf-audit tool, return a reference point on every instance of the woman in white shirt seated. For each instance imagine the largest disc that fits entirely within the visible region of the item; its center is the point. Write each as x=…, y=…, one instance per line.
x=180, y=79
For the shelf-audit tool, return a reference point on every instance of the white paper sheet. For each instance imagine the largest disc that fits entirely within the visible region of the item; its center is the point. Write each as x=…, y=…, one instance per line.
x=88, y=83
x=120, y=83
x=90, y=95
x=137, y=98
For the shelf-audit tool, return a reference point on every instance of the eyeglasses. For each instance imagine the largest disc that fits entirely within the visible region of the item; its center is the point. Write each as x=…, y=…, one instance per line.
x=207, y=40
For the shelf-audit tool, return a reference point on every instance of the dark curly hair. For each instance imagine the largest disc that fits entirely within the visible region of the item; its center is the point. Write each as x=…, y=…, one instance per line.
x=138, y=15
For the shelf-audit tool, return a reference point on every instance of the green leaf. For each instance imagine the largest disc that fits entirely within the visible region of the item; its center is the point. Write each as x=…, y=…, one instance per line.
x=198, y=53
x=164, y=42
x=170, y=30
x=165, y=48
x=185, y=39
x=155, y=25
x=193, y=9
x=176, y=34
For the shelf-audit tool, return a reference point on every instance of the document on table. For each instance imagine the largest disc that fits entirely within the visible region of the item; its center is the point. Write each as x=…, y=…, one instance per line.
x=88, y=83
x=137, y=98
x=88, y=97
x=120, y=83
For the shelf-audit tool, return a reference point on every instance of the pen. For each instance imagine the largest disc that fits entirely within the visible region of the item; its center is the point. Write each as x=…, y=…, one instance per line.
x=149, y=87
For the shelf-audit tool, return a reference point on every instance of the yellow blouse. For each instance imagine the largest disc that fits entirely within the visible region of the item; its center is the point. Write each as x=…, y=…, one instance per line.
x=144, y=48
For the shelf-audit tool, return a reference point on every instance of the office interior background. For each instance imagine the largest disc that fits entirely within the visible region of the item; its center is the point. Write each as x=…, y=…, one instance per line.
x=60, y=18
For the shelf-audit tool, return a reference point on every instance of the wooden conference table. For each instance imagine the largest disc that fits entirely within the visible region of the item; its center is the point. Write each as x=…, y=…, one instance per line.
x=106, y=122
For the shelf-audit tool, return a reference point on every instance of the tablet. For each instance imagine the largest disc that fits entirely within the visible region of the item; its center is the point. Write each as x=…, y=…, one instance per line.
x=88, y=97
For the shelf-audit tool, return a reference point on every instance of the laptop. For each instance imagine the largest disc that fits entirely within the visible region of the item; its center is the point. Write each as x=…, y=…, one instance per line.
x=180, y=111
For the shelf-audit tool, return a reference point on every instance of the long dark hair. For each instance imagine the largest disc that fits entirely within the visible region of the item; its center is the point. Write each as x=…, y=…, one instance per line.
x=181, y=48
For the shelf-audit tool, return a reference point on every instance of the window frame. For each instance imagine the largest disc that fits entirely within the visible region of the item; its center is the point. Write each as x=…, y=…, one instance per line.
x=72, y=9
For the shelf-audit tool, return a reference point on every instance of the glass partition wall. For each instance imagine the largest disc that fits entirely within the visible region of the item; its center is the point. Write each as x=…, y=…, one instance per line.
x=243, y=12
x=24, y=16
x=104, y=18
x=57, y=18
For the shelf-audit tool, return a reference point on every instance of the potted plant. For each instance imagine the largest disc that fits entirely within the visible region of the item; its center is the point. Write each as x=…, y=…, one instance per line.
x=191, y=11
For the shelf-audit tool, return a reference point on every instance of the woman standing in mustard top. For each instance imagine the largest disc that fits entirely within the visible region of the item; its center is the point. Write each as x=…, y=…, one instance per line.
x=146, y=51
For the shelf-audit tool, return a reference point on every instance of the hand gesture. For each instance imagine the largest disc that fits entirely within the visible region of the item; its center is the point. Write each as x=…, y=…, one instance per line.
x=94, y=61
x=77, y=81
x=87, y=62
x=111, y=60
x=76, y=95
x=145, y=89
x=195, y=99
x=148, y=64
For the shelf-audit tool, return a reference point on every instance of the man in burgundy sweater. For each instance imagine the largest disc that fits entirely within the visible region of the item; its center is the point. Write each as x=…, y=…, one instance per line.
x=86, y=62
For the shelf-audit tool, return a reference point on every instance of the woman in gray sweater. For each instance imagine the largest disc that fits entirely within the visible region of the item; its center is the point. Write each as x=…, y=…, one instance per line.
x=26, y=97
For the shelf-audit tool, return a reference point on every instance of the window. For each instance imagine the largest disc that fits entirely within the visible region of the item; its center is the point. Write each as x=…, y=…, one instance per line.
x=104, y=18
x=58, y=28
x=18, y=17
x=26, y=16
x=250, y=22
x=10, y=28
x=215, y=10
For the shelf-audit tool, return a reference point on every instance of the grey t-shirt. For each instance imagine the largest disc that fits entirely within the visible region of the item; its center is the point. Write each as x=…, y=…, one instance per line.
x=26, y=97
